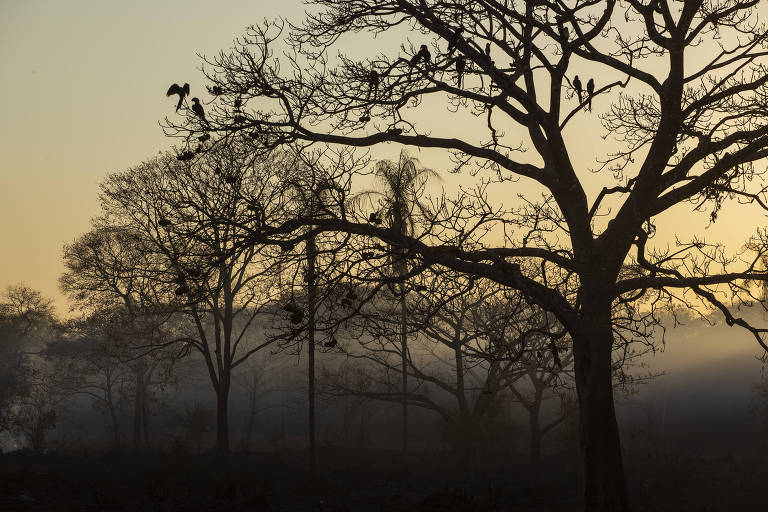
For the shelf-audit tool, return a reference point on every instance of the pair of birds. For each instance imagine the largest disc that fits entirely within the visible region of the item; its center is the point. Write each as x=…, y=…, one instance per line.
x=580, y=91
x=183, y=92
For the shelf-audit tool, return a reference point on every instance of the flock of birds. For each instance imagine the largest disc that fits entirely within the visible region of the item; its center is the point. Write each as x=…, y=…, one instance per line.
x=422, y=56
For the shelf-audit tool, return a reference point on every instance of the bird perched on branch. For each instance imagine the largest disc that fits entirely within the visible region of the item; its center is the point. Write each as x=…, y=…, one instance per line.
x=216, y=90
x=330, y=343
x=373, y=83
x=461, y=64
x=577, y=86
x=197, y=108
x=562, y=29
x=590, y=92
x=454, y=41
x=181, y=91
x=422, y=55
x=373, y=218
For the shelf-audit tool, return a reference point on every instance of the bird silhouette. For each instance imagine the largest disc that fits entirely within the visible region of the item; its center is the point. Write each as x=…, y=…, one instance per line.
x=182, y=91
x=365, y=118
x=330, y=343
x=488, y=49
x=197, y=108
x=204, y=137
x=216, y=90
x=373, y=83
x=577, y=86
x=461, y=64
x=373, y=218
x=291, y=307
x=185, y=156
x=454, y=41
x=422, y=55
x=590, y=92
x=395, y=131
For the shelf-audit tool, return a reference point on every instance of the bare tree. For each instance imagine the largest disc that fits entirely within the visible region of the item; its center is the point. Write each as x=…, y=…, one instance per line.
x=186, y=217
x=87, y=363
x=472, y=345
x=110, y=275
x=691, y=136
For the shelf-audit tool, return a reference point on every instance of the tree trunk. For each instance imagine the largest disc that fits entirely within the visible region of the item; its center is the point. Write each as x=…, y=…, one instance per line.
x=311, y=298
x=534, y=439
x=404, y=362
x=115, y=426
x=604, y=483
x=251, y=413
x=145, y=419
x=138, y=407
x=222, y=420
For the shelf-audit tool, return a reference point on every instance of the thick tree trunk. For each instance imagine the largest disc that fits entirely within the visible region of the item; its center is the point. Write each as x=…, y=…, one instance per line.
x=604, y=483
x=222, y=420
x=534, y=440
x=251, y=413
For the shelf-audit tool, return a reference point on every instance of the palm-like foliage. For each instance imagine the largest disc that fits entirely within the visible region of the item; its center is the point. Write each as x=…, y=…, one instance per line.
x=398, y=197
x=401, y=183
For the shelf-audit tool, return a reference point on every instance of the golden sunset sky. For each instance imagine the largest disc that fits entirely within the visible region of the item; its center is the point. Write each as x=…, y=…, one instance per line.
x=82, y=92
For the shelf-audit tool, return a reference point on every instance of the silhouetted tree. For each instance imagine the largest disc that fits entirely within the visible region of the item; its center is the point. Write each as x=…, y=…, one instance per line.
x=472, y=344
x=28, y=400
x=692, y=135
x=109, y=274
x=400, y=183
x=186, y=214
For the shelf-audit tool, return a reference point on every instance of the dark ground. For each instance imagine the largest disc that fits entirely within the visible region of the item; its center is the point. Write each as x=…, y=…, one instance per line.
x=360, y=481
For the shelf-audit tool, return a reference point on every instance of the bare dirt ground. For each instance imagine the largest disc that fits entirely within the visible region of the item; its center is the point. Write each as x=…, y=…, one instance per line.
x=361, y=481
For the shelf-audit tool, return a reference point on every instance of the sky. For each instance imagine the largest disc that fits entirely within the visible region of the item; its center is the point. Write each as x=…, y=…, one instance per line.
x=82, y=93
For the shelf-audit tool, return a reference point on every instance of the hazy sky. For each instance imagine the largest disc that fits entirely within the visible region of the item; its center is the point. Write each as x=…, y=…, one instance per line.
x=82, y=90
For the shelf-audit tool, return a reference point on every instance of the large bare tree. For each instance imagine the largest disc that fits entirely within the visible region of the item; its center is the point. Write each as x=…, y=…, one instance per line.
x=187, y=217
x=682, y=94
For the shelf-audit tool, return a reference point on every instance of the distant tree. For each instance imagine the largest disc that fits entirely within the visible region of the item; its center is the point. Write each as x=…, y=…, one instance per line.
x=399, y=185
x=471, y=346
x=193, y=421
x=90, y=366
x=682, y=91
x=189, y=217
x=253, y=379
x=113, y=279
x=28, y=398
